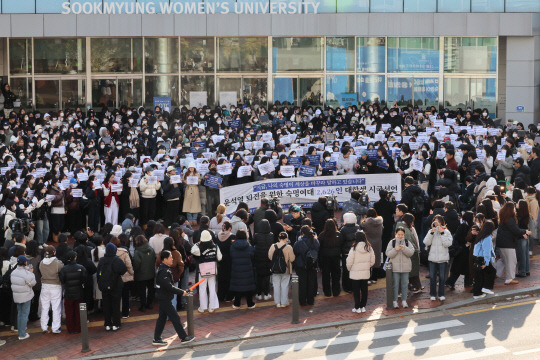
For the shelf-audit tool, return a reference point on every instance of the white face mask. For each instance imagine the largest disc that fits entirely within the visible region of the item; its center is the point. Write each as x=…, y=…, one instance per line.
x=386, y=111
x=274, y=156
x=129, y=113
x=327, y=158
x=219, y=122
x=485, y=114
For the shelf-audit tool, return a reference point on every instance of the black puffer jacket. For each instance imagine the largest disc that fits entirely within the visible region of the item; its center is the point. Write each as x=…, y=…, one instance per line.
x=330, y=246
x=73, y=276
x=170, y=191
x=451, y=218
x=508, y=234
x=113, y=267
x=319, y=215
x=275, y=226
x=262, y=241
x=348, y=232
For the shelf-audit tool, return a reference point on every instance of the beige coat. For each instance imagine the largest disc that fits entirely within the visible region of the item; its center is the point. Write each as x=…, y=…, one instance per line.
x=359, y=262
x=192, y=201
x=533, y=206
x=148, y=191
x=124, y=256
x=288, y=253
x=401, y=259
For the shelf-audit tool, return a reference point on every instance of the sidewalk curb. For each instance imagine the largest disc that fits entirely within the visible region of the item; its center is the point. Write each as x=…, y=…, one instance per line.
x=506, y=295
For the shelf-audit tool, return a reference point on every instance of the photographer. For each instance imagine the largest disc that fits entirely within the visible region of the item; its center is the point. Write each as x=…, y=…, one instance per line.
x=386, y=208
x=266, y=204
x=358, y=204
x=293, y=223
x=320, y=213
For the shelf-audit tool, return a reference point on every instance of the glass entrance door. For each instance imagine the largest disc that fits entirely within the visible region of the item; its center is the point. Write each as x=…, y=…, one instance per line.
x=53, y=95
x=302, y=91
x=115, y=92
x=249, y=90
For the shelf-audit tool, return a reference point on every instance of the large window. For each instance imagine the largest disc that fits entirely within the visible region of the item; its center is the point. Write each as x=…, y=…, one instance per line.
x=420, y=6
x=243, y=54
x=454, y=6
x=59, y=56
x=297, y=54
x=340, y=54
x=413, y=54
x=386, y=5
x=197, y=84
x=197, y=54
x=339, y=88
x=487, y=5
x=371, y=55
x=352, y=6
x=370, y=88
x=116, y=55
x=161, y=55
x=470, y=55
x=20, y=56
x=477, y=92
x=22, y=88
x=161, y=86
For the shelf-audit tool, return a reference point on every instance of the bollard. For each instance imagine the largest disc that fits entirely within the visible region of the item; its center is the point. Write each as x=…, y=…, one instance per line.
x=189, y=315
x=295, y=300
x=84, y=328
x=389, y=287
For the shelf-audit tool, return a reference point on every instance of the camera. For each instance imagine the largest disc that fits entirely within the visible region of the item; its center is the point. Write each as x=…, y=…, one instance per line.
x=332, y=203
x=391, y=196
x=435, y=224
x=21, y=225
x=364, y=198
x=273, y=203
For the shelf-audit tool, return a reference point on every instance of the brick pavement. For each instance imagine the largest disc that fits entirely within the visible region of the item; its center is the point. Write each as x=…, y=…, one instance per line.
x=137, y=331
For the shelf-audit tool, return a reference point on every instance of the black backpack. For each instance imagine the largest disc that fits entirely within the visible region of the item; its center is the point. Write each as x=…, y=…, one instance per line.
x=106, y=280
x=279, y=265
x=5, y=280
x=312, y=258
x=418, y=204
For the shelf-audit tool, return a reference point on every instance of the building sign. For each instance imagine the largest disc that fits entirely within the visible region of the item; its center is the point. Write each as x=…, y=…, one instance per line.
x=348, y=99
x=520, y=108
x=157, y=7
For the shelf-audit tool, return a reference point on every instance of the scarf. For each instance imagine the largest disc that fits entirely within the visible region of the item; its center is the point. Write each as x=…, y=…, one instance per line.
x=133, y=198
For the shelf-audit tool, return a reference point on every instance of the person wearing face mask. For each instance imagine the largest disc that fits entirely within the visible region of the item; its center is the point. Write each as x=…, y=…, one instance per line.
x=40, y=213
x=400, y=250
x=212, y=194
x=74, y=215
x=149, y=185
x=192, y=201
x=172, y=193
x=111, y=200
x=58, y=211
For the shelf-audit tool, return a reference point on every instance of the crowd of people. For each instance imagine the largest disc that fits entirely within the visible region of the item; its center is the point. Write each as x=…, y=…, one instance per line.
x=138, y=192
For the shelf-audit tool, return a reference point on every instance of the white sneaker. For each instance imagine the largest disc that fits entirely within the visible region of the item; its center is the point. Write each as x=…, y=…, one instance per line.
x=268, y=297
x=108, y=328
x=488, y=291
x=530, y=253
x=404, y=304
x=479, y=296
x=114, y=328
x=24, y=337
x=442, y=298
x=354, y=310
x=433, y=298
x=258, y=297
x=363, y=309
x=396, y=306
x=201, y=310
x=211, y=310
x=279, y=305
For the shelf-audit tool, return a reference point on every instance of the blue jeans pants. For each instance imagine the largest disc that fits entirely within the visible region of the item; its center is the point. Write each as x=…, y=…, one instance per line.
x=403, y=280
x=434, y=270
x=23, y=310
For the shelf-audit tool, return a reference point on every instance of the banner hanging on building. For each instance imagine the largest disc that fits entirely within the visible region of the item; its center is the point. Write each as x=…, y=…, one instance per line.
x=305, y=192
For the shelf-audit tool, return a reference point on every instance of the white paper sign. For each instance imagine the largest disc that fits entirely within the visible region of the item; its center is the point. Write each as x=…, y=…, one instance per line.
x=224, y=169
x=266, y=168
x=133, y=182
x=244, y=171
x=197, y=99
x=202, y=169
x=501, y=155
x=192, y=180
x=76, y=193
x=152, y=180
x=176, y=179
x=227, y=98
x=287, y=170
x=82, y=176
x=49, y=198
x=417, y=165
x=116, y=187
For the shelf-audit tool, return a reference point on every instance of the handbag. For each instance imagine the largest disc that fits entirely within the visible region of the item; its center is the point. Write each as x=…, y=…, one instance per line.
x=208, y=268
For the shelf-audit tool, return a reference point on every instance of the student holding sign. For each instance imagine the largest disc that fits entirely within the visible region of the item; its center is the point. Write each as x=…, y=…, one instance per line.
x=111, y=201
x=192, y=201
x=40, y=213
x=129, y=198
x=58, y=211
x=172, y=193
x=74, y=215
x=149, y=185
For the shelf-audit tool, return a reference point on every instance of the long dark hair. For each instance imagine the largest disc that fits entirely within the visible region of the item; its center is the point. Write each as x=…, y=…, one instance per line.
x=523, y=214
x=507, y=212
x=359, y=237
x=408, y=219
x=329, y=233
x=487, y=230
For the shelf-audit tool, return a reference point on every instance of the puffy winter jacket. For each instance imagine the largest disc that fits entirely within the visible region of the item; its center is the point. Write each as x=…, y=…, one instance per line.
x=262, y=241
x=113, y=267
x=242, y=277
x=401, y=259
x=348, y=232
x=144, y=263
x=148, y=191
x=319, y=215
x=22, y=282
x=360, y=261
x=123, y=254
x=73, y=276
x=345, y=164
x=439, y=244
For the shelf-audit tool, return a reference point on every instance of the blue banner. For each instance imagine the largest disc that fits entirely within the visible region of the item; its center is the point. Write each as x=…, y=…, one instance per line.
x=201, y=143
x=372, y=154
x=382, y=163
x=295, y=161
x=314, y=159
x=329, y=166
x=306, y=171
x=235, y=124
x=163, y=102
x=213, y=181
x=348, y=99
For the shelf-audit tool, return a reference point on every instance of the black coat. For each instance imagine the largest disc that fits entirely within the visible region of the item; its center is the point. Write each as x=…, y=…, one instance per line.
x=535, y=170
x=262, y=240
x=73, y=276
x=319, y=215
x=508, y=234
x=165, y=290
x=242, y=276
x=409, y=193
x=386, y=209
x=275, y=226
x=170, y=191
x=451, y=218
x=348, y=232
x=116, y=265
x=330, y=247
x=460, y=265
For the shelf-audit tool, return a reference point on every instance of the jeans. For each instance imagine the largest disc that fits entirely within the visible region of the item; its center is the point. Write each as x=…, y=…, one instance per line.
x=191, y=216
x=281, y=288
x=174, y=300
x=403, y=280
x=360, y=287
x=184, y=280
x=331, y=271
x=23, y=310
x=42, y=230
x=522, y=252
x=434, y=269
x=166, y=310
